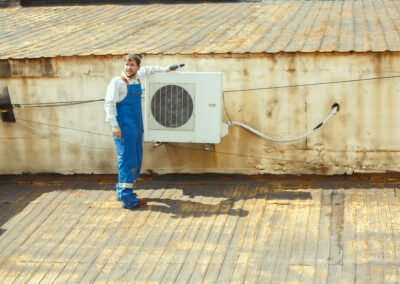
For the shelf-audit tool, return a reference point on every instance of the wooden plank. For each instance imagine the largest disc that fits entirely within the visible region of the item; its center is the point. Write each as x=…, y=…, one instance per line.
x=336, y=236
x=394, y=213
x=296, y=266
x=14, y=197
x=48, y=238
x=271, y=248
x=233, y=249
x=188, y=210
x=250, y=194
x=349, y=236
x=196, y=246
x=106, y=223
x=247, y=247
x=324, y=238
x=67, y=259
x=112, y=239
x=375, y=251
x=387, y=238
x=186, y=258
x=81, y=209
x=362, y=265
x=235, y=206
x=143, y=244
x=195, y=230
x=23, y=222
x=107, y=243
x=136, y=242
x=127, y=235
x=24, y=233
x=312, y=235
x=210, y=243
x=262, y=237
x=285, y=246
x=393, y=207
x=146, y=264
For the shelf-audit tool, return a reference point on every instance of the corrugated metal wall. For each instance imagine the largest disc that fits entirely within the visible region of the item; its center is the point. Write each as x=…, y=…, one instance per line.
x=363, y=137
x=32, y=3
x=9, y=3
x=28, y=3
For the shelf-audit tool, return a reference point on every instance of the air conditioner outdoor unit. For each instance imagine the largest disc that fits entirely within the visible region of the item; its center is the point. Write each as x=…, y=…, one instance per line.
x=184, y=107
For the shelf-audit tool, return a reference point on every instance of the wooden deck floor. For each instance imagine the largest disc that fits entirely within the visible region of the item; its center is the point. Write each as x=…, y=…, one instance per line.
x=211, y=229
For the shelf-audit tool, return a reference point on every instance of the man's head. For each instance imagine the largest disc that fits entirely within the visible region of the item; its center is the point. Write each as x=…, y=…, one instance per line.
x=132, y=65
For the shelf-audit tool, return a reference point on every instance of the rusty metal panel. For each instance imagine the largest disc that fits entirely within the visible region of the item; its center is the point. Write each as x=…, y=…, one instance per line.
x=202, y=28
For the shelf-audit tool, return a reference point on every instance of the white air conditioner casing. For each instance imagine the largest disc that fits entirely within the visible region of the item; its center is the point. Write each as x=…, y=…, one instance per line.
x=184, y=107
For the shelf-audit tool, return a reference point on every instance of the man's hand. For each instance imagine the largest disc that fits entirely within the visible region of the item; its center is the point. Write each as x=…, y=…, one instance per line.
x=116, y=131
x=174, y=67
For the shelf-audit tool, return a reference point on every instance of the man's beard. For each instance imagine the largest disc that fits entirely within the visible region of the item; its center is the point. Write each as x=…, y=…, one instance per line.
x=131, y=76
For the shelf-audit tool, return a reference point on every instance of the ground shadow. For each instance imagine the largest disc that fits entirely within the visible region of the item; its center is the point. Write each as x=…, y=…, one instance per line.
x=221, y=192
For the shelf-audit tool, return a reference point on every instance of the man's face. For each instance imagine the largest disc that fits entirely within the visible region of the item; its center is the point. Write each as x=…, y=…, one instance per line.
x=131, y=68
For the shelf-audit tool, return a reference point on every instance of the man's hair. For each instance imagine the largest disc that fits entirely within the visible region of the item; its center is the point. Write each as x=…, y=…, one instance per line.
x=136, y=57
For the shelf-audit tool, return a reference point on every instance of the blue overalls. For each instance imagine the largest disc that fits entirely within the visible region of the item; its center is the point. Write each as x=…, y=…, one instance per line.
x=129, y=147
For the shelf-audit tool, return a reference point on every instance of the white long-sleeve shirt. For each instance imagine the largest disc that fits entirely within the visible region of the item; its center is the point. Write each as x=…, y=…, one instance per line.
x=117, y=90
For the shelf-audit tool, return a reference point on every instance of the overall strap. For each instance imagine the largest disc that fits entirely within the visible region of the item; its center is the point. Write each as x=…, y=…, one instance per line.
x=125, y=80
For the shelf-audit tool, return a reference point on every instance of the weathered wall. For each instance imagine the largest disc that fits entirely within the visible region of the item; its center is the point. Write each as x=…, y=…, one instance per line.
x=363, y=136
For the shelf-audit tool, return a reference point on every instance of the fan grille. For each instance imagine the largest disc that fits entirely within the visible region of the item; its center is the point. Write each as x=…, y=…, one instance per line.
x=172, y=106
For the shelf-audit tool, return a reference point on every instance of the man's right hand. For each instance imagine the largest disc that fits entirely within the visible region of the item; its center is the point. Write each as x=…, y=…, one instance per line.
x=116, y=131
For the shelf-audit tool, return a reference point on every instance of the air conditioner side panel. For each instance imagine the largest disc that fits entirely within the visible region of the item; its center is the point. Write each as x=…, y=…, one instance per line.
x=208, y=108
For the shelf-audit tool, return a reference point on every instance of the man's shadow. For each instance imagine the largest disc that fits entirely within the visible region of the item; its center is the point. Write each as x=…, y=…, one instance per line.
x=210, y=196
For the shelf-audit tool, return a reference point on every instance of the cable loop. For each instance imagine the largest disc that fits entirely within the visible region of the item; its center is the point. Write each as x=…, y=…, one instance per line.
x=290, y=139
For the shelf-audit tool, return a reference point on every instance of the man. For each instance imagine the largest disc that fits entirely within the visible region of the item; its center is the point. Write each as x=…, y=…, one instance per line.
x=123, y=106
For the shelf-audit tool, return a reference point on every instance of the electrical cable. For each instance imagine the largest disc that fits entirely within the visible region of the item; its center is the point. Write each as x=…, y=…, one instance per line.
x=35, y=131
x=56, y=104
x=63, y=127
x=314, y=84
x=262, y=135
x=64, y=141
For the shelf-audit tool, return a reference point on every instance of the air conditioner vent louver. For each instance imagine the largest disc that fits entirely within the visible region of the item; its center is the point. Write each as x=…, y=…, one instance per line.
x=172, y=106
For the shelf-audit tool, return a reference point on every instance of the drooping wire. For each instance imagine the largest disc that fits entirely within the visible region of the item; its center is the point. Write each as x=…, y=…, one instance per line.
x=35, y=131
x=64, y=127
x=314, y=84
x=56, y=104
x=41, y=134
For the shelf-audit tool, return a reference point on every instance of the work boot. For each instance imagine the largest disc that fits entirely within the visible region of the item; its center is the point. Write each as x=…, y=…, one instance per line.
x=134, y=194
x=141, y=204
